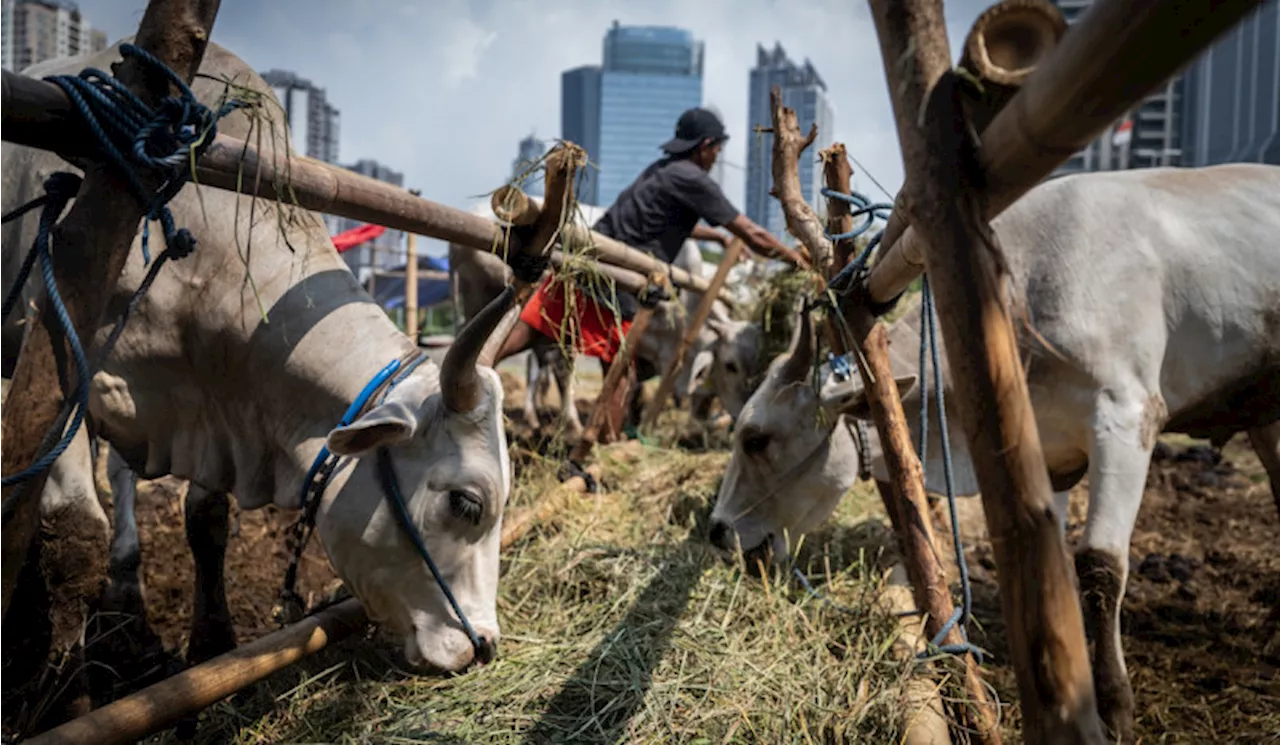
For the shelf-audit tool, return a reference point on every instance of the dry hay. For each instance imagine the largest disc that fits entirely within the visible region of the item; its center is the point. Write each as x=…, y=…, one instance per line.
x=621, y=625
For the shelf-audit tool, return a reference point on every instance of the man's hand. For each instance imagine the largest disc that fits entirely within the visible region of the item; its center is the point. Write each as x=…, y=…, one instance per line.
x=762, y=242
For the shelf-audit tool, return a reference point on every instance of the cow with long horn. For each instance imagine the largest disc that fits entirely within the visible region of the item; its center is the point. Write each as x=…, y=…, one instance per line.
x=272, y=376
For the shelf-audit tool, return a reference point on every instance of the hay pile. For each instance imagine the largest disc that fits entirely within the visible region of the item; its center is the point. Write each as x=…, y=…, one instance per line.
x=620, y=625
x=774, y=311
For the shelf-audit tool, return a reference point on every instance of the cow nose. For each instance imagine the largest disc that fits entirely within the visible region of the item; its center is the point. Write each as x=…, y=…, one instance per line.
x=487, y=650
x=720, y=537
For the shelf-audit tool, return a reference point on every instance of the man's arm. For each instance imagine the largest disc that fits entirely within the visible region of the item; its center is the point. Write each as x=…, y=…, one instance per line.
x=762, y=241
x=711, y=235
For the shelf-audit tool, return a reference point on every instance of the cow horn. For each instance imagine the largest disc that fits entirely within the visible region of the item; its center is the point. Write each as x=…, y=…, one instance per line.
x=459, y=382
x=800, y=364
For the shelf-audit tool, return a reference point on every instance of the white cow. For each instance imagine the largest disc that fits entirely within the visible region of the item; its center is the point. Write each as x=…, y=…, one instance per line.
x=235, y=385
x=1159, y=289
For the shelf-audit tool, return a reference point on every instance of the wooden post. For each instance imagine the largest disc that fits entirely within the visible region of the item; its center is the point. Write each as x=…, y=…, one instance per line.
x=90, y=246
x=1037, y=584
x=694, y=327
x=905, y=500
x=411, y=287
x=613, y=379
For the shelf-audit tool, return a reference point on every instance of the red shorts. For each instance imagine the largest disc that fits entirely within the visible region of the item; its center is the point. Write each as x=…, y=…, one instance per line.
x=599, y=332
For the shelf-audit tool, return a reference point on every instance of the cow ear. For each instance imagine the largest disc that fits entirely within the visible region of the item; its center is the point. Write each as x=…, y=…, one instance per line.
x=388, y=424
x=852, y=400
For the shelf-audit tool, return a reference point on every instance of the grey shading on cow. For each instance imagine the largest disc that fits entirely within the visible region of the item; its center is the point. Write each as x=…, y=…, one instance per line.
x=237, y=385
x=482, y=275
x=1157, y=292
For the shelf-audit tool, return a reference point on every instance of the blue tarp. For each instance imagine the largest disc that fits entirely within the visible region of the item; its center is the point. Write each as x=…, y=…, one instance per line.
x=388, y=289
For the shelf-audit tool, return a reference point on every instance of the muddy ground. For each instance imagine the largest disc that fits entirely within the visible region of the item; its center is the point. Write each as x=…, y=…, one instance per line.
x=1205, y=573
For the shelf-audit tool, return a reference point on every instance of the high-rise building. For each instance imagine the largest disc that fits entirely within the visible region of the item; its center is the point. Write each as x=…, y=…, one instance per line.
x=527, y=165
x=803, y=90
x=580, y=122
x=622, y=111
x=313, y=121
x=1231, y=99
x=39, y=30
x=1149, y=136
x=383, y=252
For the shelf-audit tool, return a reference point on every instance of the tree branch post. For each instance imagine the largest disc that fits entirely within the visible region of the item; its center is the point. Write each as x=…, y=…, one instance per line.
x=904, y=497
x=1037, y=584
x=91, y=245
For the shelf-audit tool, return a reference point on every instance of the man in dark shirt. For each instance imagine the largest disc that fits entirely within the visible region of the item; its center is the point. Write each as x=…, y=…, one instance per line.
x=655, y=214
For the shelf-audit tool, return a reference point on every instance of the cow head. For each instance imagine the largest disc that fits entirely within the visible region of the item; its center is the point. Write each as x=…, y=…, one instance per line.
x=727, y=364
x=792, y=458
x=444, y=431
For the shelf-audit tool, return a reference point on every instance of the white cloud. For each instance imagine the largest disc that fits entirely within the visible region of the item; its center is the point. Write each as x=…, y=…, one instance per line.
x=444, y=89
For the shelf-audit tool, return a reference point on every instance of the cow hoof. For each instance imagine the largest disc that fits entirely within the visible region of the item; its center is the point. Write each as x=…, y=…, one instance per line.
x=569, y=469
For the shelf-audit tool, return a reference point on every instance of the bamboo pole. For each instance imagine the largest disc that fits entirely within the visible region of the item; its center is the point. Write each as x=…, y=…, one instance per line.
x=164, y=704
x=93, y=242
x=1037, y=584
x=699, y=319
x=905, y=499
x=38, y=118
x=1113, y=57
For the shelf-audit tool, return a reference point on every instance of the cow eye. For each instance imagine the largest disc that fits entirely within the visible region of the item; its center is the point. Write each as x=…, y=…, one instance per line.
x=755, y=444
x=732, y=367
x=466, y=506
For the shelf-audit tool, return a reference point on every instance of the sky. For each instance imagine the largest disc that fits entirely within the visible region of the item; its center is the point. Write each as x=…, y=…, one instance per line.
x=443, y=90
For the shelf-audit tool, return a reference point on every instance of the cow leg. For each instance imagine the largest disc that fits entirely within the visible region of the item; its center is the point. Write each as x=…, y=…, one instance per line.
x=1124, y=434
x=207, y=521
x=532, y=376
x=1266, y=443
x=568, y=406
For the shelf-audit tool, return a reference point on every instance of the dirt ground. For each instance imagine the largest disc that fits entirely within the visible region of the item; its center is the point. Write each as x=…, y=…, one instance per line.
x=1205, y=573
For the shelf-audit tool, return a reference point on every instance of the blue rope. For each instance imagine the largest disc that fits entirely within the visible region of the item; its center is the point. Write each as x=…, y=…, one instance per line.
x=132, y=137
x=929, y=341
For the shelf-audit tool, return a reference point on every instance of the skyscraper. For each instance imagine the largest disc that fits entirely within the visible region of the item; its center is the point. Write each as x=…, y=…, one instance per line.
x=623, y=111
x=803, y=90
x=39, y=30
x=387, y=249
x=1150, y=136
x=313, y=121
x=531, y=151
x=580, y=122
x=1231, y=102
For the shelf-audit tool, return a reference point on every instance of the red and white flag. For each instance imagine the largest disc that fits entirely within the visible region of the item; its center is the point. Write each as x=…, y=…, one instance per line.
x=1123, y=133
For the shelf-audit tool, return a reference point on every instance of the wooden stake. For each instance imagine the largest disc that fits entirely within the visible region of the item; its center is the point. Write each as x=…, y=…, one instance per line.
x=411, y=287
x=90, y=246
x=1037, y=584
x=905, y=501
x=699, y=319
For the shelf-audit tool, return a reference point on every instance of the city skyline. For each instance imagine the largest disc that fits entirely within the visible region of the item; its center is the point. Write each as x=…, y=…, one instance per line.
x=39, y=30
x=445, y=92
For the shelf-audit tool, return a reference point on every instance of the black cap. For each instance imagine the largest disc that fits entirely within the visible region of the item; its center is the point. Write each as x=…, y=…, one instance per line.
x=695, y=125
